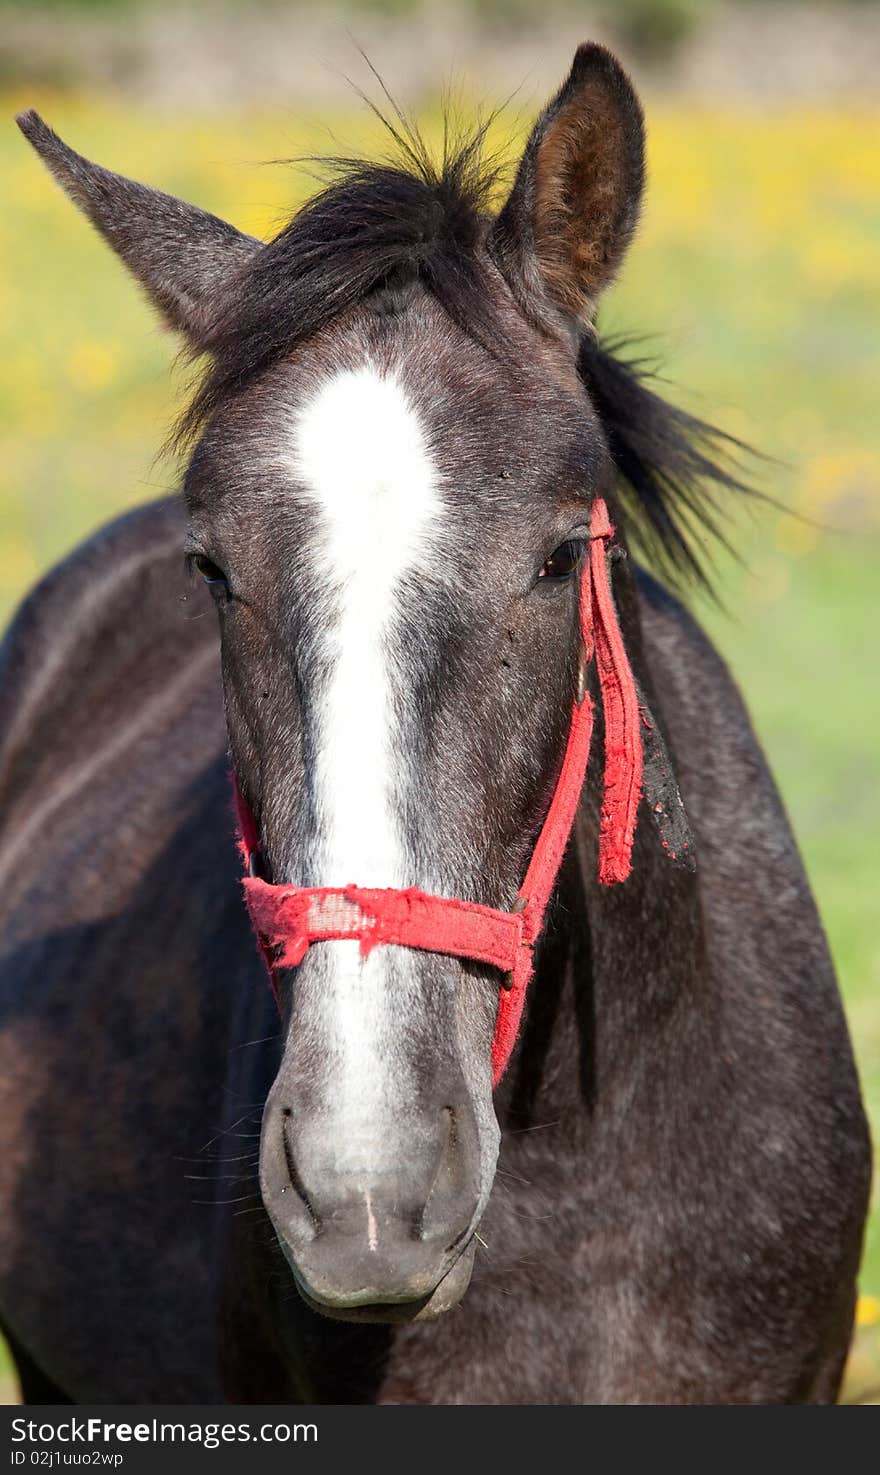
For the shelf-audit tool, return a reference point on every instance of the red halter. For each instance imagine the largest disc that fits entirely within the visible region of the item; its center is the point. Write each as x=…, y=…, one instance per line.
x=287, y=919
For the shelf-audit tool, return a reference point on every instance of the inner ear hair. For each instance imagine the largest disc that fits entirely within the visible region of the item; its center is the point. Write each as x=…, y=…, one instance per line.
x=575, y=202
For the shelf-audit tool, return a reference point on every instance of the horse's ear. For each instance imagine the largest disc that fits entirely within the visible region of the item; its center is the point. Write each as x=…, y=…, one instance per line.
x=182, y=256
x=574, y=205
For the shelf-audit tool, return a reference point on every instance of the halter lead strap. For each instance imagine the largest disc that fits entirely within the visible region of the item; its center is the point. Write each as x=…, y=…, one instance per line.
x=288, y=919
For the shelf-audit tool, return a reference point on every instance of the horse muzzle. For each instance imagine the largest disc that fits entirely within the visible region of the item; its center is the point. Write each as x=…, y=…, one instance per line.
x=380, y=1227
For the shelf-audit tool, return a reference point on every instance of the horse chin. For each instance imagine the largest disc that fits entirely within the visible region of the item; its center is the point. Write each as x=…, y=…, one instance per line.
x=445, y=1295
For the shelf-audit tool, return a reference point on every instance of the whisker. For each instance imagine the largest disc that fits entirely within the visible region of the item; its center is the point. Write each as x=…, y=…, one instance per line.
x=248, y=1043
x=541, y=1127
x=221, y=1203
x=226, y=1131
x=228, y=1157
x=215, y=1177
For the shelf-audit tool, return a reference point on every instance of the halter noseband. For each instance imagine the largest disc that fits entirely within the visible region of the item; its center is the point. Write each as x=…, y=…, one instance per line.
x=288, y=919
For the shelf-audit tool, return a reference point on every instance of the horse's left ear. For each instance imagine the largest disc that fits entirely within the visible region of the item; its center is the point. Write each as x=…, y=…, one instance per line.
x=181, y=255
x=574, y=205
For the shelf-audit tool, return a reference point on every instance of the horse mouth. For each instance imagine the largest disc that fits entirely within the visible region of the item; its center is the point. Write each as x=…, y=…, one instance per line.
x=445, y=1295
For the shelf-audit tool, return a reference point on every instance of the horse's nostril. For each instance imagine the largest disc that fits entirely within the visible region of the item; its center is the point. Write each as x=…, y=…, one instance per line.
x=462, y=1235
x=296, y=1180
x=453, y=1183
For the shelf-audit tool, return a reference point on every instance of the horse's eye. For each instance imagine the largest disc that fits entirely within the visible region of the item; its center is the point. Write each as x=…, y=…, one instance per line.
x=209, y=570
x=563, y=560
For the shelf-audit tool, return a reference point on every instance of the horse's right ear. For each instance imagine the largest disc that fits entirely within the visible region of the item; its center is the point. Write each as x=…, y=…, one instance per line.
x=564, y=230
x=182, y=256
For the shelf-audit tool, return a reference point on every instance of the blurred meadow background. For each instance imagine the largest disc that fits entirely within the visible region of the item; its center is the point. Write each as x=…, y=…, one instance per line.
x=755, y=276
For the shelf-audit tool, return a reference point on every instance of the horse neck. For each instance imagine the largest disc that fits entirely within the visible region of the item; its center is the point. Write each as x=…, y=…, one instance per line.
x=620, y=990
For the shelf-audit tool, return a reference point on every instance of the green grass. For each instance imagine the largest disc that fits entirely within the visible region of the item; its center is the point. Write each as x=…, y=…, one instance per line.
x=758, y=266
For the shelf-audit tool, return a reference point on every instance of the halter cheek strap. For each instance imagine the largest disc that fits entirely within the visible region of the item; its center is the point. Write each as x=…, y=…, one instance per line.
x=288, y=919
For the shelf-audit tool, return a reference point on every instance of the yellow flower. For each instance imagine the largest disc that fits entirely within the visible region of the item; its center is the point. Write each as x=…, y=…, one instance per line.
x=868, y=1311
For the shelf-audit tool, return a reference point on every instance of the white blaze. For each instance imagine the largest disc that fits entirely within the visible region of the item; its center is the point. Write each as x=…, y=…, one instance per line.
x=363, y=463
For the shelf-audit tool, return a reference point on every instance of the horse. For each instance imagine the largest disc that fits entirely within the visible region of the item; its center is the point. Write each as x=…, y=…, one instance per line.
x=368, y=603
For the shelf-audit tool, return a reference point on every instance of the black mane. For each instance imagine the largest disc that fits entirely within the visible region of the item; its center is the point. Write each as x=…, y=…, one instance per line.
x=674, y=469
x=411, y=219
x=375, y=224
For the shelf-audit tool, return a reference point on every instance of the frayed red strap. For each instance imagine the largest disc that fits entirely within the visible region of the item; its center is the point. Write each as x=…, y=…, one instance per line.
x=620, y=703
x=287, y=919
x=291, y=917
